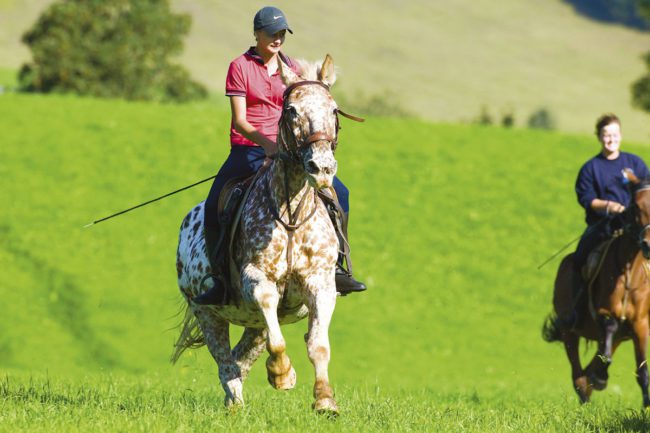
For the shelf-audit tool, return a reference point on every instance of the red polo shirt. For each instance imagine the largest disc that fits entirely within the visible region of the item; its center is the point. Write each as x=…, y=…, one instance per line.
x=248, y=77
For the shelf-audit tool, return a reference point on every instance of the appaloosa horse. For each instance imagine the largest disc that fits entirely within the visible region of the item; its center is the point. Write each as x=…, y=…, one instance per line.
x=284, y=252
x=618, y=302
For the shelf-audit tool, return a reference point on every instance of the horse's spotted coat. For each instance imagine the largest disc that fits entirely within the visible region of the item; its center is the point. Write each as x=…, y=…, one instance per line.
x=272, y=289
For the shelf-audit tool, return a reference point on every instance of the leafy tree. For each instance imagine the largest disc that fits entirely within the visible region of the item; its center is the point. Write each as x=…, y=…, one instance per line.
x=109, y=48
x=627, y=12
x=641, y=87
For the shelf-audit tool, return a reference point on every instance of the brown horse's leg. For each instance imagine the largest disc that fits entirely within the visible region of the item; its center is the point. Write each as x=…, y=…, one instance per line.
x=640, y=346
x=280, y=372
x=580, y=383
x=215, y=332
x=321, y=300
x=598, y=367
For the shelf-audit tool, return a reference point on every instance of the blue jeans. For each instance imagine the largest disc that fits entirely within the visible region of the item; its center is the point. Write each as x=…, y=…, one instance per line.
x=245, y=161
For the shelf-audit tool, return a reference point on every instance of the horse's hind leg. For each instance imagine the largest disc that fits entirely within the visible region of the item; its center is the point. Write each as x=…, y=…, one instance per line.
x=580, y=383
x=321, y=304
x=280, y=372
x=250, y=347
x=640, y=346
x=215, y=332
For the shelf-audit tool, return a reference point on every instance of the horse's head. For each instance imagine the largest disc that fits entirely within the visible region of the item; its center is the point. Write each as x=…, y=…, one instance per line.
x=641, y=209
x=309, y=125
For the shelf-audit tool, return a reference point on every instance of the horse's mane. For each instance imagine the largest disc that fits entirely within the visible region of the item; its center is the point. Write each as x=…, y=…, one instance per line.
x=643, y=184
x=309, y=70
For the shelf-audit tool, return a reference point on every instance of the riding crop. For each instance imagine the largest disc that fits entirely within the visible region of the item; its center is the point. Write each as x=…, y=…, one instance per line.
x=148, y=202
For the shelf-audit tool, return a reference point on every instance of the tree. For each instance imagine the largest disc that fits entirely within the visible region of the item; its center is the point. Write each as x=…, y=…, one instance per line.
x=641, y=87
x=109, y=48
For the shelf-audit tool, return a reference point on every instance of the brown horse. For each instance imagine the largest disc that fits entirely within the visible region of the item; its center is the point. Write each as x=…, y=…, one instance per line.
x=618, y=301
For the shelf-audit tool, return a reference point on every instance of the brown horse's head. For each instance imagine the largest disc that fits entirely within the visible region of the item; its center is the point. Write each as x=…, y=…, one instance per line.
x=309, y=126
x=641, y=210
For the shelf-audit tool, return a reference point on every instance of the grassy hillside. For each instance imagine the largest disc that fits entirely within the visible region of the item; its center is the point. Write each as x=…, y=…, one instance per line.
x=441, y=61
x=448, y=226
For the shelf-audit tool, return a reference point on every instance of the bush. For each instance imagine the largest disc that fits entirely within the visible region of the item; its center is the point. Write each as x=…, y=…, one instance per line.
x=385, y=104
x=484, y=117
x=109, y=48
x=541, y=119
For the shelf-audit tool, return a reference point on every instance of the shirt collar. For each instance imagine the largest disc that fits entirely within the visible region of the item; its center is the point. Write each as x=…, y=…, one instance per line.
x=253, y=54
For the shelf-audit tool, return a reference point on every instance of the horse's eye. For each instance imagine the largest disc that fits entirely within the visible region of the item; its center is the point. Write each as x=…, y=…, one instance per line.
x=291, y=110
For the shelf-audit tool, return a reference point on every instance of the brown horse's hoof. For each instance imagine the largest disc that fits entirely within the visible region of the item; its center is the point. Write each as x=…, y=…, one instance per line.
x=283, y=382
x=583, y=389
x=597, y=383
x=326, y=406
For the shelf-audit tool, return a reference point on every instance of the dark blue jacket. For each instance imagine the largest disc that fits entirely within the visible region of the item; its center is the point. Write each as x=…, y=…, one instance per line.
x=603, y=179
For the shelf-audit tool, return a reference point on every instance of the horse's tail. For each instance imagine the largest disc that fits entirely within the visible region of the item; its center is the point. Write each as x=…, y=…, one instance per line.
x=551, y=329
x=191, y=336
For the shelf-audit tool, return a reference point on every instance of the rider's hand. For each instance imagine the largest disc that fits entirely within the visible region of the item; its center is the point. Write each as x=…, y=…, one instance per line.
x=613, y=207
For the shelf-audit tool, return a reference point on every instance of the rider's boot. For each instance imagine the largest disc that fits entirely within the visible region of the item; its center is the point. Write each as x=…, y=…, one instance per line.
x=345, y=282
x=214, y=295
x=578, y=292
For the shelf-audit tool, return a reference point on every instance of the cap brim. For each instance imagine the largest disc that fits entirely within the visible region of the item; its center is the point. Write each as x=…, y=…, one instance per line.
x=274, y=28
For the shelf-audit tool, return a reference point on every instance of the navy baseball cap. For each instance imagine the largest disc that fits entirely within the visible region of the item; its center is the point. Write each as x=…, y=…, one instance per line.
x=271, y=20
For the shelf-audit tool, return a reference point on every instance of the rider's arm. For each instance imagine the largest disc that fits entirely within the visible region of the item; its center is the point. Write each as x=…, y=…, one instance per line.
x=241, y=124
x=606, y=206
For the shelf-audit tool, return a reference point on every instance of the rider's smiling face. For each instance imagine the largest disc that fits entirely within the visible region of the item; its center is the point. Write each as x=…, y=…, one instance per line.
x=269, y=44
x=610, y=140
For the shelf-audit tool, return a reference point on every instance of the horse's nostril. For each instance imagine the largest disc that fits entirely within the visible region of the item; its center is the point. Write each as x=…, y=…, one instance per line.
x=312, y=167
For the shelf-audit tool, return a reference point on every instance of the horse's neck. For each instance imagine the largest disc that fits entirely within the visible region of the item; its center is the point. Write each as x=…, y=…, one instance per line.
x=627, y=249
x=289, y=175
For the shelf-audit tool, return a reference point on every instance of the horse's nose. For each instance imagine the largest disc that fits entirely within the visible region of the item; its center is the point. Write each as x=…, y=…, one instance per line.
x=314, y=168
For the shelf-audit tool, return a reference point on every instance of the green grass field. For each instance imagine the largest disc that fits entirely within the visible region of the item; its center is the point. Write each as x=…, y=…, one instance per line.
x=448, y=225
x=441, y=61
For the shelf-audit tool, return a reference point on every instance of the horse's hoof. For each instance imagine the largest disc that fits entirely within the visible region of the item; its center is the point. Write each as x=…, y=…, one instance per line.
x=583, y=389
x=326, y=406
x=233, y=403
x=597, y=383
x=283, y=382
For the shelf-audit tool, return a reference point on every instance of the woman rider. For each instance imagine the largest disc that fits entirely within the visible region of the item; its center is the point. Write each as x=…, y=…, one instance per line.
x=255, y=89
x=602, y=191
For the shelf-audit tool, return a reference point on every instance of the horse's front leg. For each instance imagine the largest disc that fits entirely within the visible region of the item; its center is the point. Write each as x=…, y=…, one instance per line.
x=280, y=372
x=321, y=299
x=640, y=327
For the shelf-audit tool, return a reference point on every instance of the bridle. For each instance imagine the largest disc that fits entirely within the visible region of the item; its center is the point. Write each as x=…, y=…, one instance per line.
x=287, y=133
x=632, y=212
x=293, y=155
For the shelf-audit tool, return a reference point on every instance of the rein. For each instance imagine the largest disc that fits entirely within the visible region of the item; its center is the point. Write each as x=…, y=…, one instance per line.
x=293, y=156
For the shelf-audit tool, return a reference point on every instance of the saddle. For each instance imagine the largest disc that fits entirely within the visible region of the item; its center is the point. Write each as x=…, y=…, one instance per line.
x=595, y=258
x=229, y=208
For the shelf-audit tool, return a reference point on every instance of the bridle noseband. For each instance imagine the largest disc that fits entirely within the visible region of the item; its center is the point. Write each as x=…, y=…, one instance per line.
x=285, y=131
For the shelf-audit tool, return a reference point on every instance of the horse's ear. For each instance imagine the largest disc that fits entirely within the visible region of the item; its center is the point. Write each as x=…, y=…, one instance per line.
x=327, y=74
x=629, y=175
x=288, y=76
